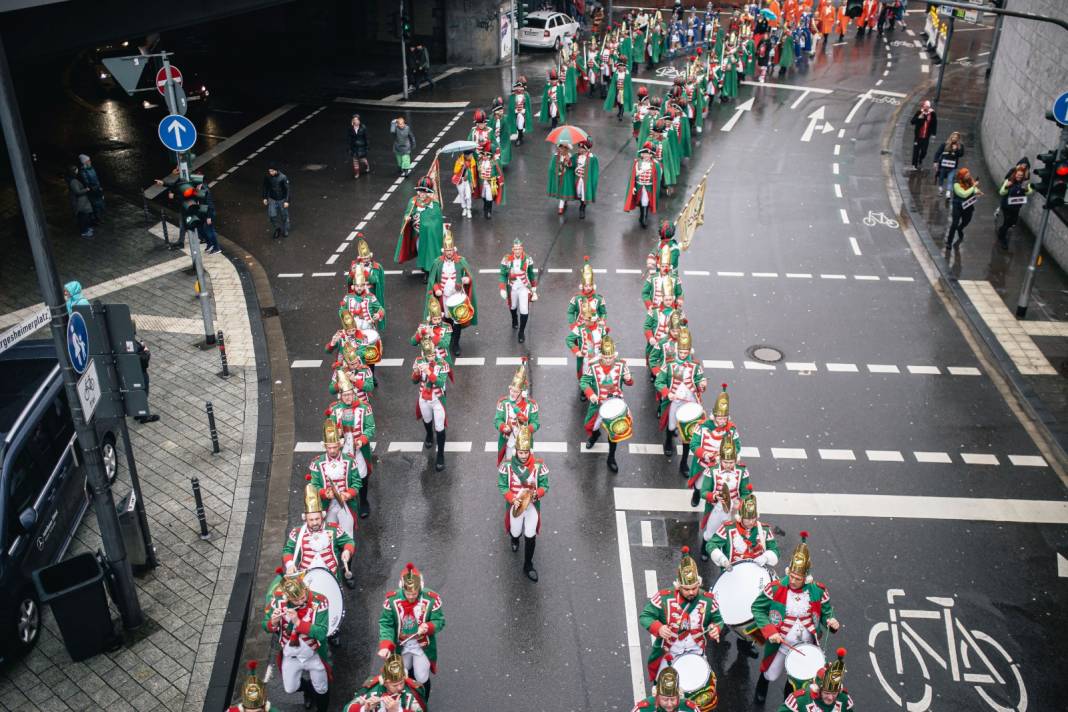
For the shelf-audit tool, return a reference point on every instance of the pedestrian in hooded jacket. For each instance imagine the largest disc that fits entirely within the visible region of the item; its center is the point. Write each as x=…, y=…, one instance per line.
x=91, y=180
x=79, y=203
x=72, y=293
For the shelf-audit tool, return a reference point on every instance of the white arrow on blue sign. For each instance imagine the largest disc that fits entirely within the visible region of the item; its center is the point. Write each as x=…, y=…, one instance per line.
x=78, y=342
x=1060, y=109
x=177, y=133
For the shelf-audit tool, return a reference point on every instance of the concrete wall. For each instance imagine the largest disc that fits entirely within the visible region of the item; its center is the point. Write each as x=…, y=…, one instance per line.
x=1030, y=71
x=471, y=32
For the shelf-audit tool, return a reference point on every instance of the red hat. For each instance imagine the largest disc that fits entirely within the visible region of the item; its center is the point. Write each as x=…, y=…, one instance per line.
x=480, y=116
x=643, y=91
x=553, y=75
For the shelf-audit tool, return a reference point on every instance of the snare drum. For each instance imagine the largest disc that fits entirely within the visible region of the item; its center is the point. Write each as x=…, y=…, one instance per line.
x=696, y=680
x=323, y=582
x=616, y=419
x=372, y=347
x=804, y=663
x=735, y=591
x=689, y=416
x=458, y=306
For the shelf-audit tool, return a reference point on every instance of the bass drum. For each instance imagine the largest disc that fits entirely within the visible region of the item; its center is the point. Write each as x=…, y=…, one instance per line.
x=323, y=582
x=697, y=681
x=735, y=590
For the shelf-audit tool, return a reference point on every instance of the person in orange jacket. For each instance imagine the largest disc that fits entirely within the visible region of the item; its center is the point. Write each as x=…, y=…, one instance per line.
x=869, y=15
x=825, y=17
x=842, y=23
x=773, y=6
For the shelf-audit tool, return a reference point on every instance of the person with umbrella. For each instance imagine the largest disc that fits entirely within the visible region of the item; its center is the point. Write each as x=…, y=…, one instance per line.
x=465, y=178
x=519, y=112
x=561, y=182
x=422, y=231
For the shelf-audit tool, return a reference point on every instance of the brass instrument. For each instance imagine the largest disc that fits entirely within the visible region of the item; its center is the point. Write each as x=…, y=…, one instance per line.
x=520, y=503
x=725, y=497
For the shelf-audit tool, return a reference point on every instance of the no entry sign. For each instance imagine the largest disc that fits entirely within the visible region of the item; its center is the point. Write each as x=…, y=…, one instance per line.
x=161, y=78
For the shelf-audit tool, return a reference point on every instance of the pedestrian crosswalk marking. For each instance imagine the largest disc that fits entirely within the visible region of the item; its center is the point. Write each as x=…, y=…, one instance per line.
x=307, y=363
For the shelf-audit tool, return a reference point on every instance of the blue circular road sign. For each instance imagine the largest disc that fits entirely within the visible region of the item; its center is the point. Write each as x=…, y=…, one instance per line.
x=1060, y=109
x=78, y=342
x=177, y=133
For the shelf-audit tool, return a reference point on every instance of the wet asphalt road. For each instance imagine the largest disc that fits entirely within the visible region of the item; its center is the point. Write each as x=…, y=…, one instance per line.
x=774, y=264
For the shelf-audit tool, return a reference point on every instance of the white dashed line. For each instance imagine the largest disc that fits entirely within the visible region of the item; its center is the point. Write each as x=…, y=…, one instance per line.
x=1027, y=460
x=765, y=274
x=307, y=363
x=798, y=275
x=842, y=367
x=924, y=370
x=837, y=148
x=647, y=540
x=552, y=361
x=332, y=258
x=845, y=216
x=978, y=458
x=628, y=271
x=837, y=454
x=832, y=276
x=800, y=366
x=834, y=168
x=290, y=275
x=884, y=455
x=757, y=366
x=837, y=190
x=964, y=371
x=934, y=458
x=856, y=246
x=882, y=368
x=901, y=279
x=789, y=453
x=324, y=274
x=470, y=361
x=866, y=277
x=708, y=363
x=696, y=272
x=730, y=274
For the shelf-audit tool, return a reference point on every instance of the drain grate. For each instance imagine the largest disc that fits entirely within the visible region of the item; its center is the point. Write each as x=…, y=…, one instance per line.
x=764, y=353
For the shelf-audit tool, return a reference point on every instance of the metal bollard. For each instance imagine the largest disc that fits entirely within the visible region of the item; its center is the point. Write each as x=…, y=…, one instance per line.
x=166, y=234
x=203, y=520
x=144, y=207
x=212, y=429
x=225, y=373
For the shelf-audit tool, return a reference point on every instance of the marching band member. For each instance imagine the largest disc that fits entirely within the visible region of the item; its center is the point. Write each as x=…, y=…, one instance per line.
x=604, y=62
x=501, y=130
x=829, y=695
x=681, y=381
x=643, y=114
x=658, y=285
x=518, y=285
x=451, y=275
x=358, y=373
x=337, y=477
x=723, y=483
x=666, y=348
x=584, y=339
x=490, y=179
x=680, y=619
x=430, y=373
x=409, y=625
x=561, y=180
x=372, y=270
x=355, y=422
x=514, y=410
x=603, y=380
x=666, y=697
x=253, y=693
x=644, y=184
x=421, y=232
x=435, y=328
x=658, y=320
x=553, y=107
x=789, y=611
x=465, y=178
x=300, y=618
x=520, y=115
x=743, y=537
x=481, y=133
x=667, y=240
x=317, y=543
x=347, y=334
x=587, y=293
x=390, y=691
x=620, y=91
x=707, y=439
x=523, y=481
x=587, y=175
x=363, y=304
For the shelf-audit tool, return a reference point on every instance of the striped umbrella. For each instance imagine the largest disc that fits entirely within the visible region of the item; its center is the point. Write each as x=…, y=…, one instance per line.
x=566, y=134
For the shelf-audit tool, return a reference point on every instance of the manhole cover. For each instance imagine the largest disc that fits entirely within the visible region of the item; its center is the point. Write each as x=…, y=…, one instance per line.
x=767, y=354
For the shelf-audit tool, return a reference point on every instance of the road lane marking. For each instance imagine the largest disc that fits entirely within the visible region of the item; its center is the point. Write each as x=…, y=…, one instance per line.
x=964, y=371
x=834, y=168
x=844, y=215
x=789, y=453
x=799, y=99
x=1027, y=460
x=798, y=275
x=509, y=360
x=979, y=458
x=924, y=370
x=853, y=243
x=832, y=276
x=882, y=368
x=934, y=458
x=630, y=609
x=390, y=362
x=867, y=277
x=552, y=361
x=842, y=367
x=332, y=259
x=695, y=272
x=868, y=506
x=647, y=535
x=307, y=363
x=800, y=366
x=765, y=274
x=470, y=361
x=826, y=454
x=925, y=68
x=757, y=366
x=290, y=275
x=730, y=274
x=884, y=455
x=837, y=190
x=901, y=279
x=707, y=363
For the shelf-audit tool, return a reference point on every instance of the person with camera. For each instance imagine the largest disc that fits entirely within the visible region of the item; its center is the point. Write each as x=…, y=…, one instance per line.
x=1014, y=192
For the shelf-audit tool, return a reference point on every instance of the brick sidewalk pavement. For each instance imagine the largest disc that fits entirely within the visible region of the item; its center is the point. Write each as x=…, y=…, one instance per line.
x=168, y=664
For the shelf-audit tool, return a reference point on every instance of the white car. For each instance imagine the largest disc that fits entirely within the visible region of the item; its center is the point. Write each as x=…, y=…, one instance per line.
x=546, y=28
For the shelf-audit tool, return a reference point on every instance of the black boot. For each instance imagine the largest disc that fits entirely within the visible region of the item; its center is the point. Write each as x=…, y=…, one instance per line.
x=619, y=115
x=519, y=140
x=594, y=437
x=788, y=689
x=669, y=445
x=695, y=498
x=643, y=216
x=515, y=318
x=426, y=691
x=683, y=469
x=515, y=543
x=582, y=209
x=523, y=327
x=554, y=122
x=704, y=548
x=365, y=507
x=486, y=209
x=761, y=693
x=322, y=702
x=439, y=461
x=612, y=457
x=456, y=331
x=528, y=558
x=429, y=441
x=307, y=693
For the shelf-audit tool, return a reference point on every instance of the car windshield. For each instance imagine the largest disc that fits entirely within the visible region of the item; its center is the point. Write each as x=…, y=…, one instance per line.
x=536, y=23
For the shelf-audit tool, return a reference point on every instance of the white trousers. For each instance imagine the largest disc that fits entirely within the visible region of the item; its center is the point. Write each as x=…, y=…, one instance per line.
x=487, y=190
x=580, y=188
x=417, y=664
x=673, y=409
x=526, y=524
x=645, y=198
x=520, y=297
x=715, y=520
x=433, y=410
x=552, y=111
x=332, y=517
x=293, y=667
x=464, y=197
x=354, y=452
x=521, y=120
x=778, y=664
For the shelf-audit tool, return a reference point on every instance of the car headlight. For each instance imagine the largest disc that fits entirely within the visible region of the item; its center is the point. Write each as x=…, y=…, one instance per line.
x=103, y=75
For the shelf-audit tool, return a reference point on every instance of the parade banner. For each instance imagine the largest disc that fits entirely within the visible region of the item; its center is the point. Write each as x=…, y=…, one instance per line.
x=692, y=215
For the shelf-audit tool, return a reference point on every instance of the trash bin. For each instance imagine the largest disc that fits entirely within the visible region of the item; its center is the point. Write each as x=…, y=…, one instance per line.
x=74, y=588
x=130, y=527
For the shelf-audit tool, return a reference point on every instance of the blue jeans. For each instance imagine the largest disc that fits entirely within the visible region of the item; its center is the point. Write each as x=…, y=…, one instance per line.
x=207, y=234
x=945, y=177
x=278, y=215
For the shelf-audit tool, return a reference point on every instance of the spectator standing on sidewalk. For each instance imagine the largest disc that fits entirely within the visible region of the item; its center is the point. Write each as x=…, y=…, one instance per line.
x=1014, y=192
x=965, y=194
x=946, y=159
x=206, y=229
x=276, y=198
x=141, y=349
x=403, y=144
x=420, y=60
x=924, y=126
x=358, y=146
x=79, y=203
x=91, y=180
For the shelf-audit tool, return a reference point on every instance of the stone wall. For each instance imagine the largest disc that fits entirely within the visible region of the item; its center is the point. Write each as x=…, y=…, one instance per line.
x=1030, y=71
x=471, y=31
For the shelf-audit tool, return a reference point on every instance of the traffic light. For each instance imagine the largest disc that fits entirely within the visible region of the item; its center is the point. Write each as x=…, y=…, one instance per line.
x=1052, y=178
x=521, y=11
x=1060, y=185
x=1044, y=172
x=406, y=27
x=190, y=196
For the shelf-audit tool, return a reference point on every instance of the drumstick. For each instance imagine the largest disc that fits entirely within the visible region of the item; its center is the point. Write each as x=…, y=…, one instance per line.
x=790, y=647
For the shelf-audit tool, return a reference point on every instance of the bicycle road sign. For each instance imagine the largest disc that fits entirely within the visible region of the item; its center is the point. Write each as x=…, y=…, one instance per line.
x=89, y=391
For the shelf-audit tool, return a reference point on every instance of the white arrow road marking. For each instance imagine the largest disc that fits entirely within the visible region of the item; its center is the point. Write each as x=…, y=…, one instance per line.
x=861, y=98
x=813, y=119
x=175, y=127
x=744, y=106
x=1062, y=566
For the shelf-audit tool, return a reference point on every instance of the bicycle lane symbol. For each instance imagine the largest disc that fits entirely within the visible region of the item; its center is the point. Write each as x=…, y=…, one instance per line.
x=879, y=218
x=969, y=655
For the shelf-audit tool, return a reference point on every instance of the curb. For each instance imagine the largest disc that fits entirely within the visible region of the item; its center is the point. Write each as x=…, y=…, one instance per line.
x=1051, y=432
x=274, y=404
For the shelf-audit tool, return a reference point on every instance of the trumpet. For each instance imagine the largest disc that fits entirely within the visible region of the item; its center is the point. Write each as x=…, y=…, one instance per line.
x=520, y=503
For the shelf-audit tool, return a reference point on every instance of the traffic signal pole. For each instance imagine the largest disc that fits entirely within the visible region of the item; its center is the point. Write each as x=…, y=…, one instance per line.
x=124, y=591
x=1029, y=279
x=404, y=54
